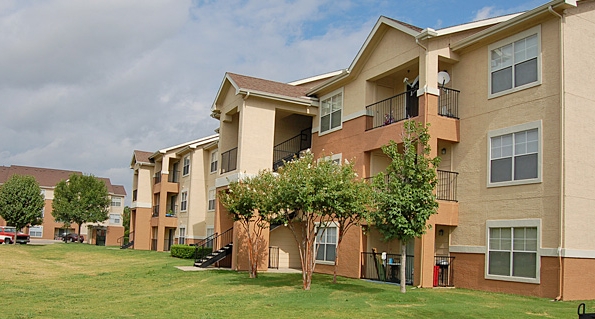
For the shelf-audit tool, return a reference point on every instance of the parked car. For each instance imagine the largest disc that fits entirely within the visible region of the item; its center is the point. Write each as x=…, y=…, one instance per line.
x=73, y=237
x=8, y=233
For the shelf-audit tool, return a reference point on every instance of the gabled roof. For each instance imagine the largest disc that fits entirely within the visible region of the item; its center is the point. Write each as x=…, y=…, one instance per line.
x=205, y=141
x=141, y=157
x=162, y=151
x=49, y=177
x=248, y=86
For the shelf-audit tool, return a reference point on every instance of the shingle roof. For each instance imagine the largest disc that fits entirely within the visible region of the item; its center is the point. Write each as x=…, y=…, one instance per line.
x=49, y=177
x=142, y=156
x=255, y=84
x=410, y=26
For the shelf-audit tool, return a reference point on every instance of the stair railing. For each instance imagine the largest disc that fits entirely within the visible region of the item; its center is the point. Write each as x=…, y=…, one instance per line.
x=216, y=241
x=125, y=240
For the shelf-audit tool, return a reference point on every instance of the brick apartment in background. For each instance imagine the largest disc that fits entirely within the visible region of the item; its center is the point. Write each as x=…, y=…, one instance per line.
x=173, y=194
x=509, y=101
x=107, y=233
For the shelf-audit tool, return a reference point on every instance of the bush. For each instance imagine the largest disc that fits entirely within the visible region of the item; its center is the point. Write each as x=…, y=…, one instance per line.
x=187, y=252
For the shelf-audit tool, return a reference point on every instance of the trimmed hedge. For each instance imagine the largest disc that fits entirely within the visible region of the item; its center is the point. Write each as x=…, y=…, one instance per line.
x=186, y=251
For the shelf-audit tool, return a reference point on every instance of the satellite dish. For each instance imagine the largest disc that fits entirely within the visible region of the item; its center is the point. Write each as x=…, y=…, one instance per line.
x=443, y=78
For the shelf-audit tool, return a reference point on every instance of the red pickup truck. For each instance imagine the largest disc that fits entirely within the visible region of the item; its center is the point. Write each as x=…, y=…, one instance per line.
x=8, y=233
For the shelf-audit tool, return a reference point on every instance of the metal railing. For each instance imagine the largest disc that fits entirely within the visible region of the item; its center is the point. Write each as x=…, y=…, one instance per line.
x=448, y=103
x=174, y=177
x=392, y=110
x=134, y=195
x=274, y=257
x=157, y=178
x=229, y=160
x=215, y=241
x=389, y=269
x=443, y=271
x=286, y=150
x=156, y=211
x=172, y=211
x=447, y=185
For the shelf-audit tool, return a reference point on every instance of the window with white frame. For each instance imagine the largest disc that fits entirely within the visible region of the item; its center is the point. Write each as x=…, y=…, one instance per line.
x=184, y=202
x=210, y=232
x=182, y=237
x=513, y=250
x=327, y=243
x=515, y=155
x=36, y=231
x=114, y=218
x=116, y=201
x=186, y=168
x=214, y=160
x=515, y=62
x=212, y=196
x=331, y=107
x=43, y=212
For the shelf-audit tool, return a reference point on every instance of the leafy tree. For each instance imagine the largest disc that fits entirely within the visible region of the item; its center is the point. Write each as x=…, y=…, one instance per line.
x=81, y=199
x=21, y=202
x=304, y=202
x=126, y=221
x=250, y=203
x=347, y=199
x=405, y=200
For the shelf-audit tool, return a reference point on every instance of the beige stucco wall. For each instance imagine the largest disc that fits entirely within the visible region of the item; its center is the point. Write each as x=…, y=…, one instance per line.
x=478, y=116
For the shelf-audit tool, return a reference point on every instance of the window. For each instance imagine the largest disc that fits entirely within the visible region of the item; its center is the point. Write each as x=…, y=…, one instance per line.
x=212, y=196
x=214, y=160
x=210, y=232
x=514, y=155
x=114, y=218
x=330, y=111
x=116, y=201
x=515, y=62
x=186, y=168
x=327, y=243
x=184, y=202
x=182, y=238
x=36, y=231
x=512, y=250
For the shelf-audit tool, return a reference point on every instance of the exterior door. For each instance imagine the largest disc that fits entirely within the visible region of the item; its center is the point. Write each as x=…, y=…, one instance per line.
x=100, y=237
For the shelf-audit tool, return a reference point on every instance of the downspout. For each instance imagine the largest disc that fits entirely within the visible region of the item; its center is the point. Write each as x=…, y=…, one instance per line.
x=562, y=152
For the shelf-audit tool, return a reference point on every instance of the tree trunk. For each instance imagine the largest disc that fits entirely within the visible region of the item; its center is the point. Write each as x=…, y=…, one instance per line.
x=403, y=266
x=337, y=255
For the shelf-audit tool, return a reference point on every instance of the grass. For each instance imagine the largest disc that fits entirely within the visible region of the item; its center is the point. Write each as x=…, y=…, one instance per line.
x=84, y=281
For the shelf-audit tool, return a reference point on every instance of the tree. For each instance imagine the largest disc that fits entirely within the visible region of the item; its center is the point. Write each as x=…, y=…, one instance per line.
x=249, y=202
x=126, y=221
x=349, y=199
x=405, y=199
x=81, y=199
x=304, y=205
x=21, y=202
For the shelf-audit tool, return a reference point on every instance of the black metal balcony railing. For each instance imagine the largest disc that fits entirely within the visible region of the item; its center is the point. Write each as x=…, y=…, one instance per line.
x=389, y=269
x=156, y=211
x=392, y=110
x=274, y=257
x=172, y=211
x=174, y=177
x=444, y=271
x=134, y=195
x=157, y=178
x=285, y=151
x=229, y=160
x=448, y=103
x=447, y=185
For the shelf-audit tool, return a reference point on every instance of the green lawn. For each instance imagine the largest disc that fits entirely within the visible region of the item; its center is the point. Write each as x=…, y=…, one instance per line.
x=84, y=281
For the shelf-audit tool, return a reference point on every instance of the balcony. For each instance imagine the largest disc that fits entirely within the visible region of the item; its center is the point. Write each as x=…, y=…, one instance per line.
x=448, y=103
x=172, y=211
x=156, y=211
x=287, y=150
x=447, y=186
x=135, y=195
x=157, y=178
x=174, y=177
x=388, y=269
x=392, y=110
x=229, y=160
x=444, y=271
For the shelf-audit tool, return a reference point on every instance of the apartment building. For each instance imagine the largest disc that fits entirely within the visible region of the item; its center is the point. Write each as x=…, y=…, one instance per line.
x=107, y=233
x=507, y=101
x=173, y=197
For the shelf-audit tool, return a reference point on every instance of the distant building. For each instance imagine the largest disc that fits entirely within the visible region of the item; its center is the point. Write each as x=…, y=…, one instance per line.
x=106, y=233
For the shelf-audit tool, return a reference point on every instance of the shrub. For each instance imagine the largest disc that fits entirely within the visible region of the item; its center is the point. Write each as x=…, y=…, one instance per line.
x=187, y=252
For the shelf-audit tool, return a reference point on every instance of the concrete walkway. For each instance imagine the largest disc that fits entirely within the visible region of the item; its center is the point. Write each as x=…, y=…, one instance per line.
x=274, y=271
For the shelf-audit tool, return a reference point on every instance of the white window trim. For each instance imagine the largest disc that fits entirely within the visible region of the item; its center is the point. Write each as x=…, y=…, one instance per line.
x=209, y=199
x=510, y=130
x=514, y=223
x=326, y=224
x=183, y=165
x=185, y=209
x=38, y=228
x=180, y=234
x=333, y=158
x=503, y=42
x=216, y=152
x=324, y=97
x=113, y=220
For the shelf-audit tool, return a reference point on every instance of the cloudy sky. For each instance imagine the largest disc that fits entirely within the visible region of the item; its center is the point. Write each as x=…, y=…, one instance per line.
x=84, y=83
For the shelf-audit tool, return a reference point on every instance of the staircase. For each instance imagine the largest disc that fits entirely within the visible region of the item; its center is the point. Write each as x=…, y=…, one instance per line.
x=126, y=242
x=287, y=150
x=223, y=243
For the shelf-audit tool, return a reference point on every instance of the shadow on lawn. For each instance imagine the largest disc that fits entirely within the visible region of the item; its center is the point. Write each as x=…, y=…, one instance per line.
x=295, y=280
